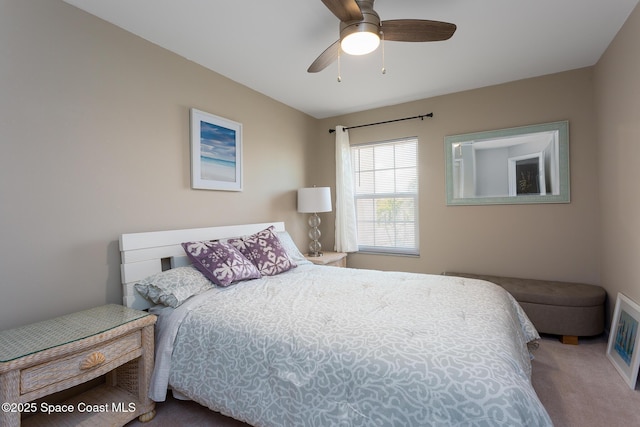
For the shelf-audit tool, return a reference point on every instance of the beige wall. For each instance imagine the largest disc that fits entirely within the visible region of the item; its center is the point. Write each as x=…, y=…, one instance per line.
x=617, y=88
x=94, y=127
x=547, y=241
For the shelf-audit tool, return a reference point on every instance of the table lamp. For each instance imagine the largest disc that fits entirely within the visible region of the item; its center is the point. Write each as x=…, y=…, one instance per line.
x=313, y=200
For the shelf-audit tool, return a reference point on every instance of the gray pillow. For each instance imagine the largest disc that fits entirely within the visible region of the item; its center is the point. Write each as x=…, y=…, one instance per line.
x=173, y=287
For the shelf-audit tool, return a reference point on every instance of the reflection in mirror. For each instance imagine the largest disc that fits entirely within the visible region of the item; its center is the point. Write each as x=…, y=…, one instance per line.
x=528, y=164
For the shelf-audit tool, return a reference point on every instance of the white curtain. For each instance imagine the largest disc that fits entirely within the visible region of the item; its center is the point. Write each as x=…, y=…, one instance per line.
x=346, y=229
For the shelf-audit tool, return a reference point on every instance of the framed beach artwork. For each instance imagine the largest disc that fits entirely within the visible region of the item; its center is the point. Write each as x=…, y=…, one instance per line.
x=623, y=349
x=216, y=152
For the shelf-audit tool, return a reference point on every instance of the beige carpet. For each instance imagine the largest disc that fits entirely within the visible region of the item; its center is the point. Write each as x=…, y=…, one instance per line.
x=577, y=384
x=580, y=387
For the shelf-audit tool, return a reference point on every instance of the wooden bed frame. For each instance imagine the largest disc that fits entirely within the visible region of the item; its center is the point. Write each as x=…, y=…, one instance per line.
x=145, y=254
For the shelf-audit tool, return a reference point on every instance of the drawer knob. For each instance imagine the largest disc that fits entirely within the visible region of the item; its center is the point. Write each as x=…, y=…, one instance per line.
x=94, y=359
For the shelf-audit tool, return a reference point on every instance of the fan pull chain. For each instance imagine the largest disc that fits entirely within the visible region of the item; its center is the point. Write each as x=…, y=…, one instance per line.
x=384, y=70
x=339, y=72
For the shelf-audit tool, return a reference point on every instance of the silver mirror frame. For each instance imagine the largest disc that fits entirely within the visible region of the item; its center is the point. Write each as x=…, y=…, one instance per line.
x=563, y=162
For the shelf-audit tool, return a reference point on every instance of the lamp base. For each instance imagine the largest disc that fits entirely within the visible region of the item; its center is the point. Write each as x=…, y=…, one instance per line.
x=315, y=248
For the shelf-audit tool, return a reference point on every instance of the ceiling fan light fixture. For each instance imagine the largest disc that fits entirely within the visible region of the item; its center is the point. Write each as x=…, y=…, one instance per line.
x=360, y=43
x=360, y=39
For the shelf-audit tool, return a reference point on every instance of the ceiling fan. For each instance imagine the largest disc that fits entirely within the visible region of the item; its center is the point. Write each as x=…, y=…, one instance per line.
x=361, y=27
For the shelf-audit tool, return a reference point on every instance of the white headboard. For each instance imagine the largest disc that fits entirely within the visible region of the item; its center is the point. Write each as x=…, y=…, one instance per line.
x=145, y=254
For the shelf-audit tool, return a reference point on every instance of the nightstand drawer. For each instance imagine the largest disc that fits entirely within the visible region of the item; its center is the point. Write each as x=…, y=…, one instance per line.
x=81, y=363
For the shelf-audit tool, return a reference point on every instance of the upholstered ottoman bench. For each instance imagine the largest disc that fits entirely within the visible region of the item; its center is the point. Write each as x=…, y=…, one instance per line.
x=570, y=310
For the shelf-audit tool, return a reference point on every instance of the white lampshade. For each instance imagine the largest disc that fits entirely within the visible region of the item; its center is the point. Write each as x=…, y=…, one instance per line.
x=314, y=199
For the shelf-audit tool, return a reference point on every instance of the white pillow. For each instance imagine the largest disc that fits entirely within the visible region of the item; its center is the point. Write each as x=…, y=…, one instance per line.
x=291, y=248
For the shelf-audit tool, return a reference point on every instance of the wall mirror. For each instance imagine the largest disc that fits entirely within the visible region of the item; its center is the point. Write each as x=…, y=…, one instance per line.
x=528, y=164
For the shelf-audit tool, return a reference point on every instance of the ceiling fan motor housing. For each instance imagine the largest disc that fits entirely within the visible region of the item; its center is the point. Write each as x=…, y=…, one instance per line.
x=370, y=21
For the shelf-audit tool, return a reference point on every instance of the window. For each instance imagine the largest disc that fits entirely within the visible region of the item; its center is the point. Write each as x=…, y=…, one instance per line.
x=386, y=196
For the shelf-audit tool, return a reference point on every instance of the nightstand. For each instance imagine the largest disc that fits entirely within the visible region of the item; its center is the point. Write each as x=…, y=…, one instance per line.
x=334, y=259
x=44, y=358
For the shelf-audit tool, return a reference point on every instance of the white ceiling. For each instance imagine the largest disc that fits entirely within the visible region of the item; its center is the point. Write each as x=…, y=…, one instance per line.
x=268, y=45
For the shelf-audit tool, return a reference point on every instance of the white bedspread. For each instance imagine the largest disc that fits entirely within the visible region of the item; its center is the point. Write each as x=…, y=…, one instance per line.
x=322, y=346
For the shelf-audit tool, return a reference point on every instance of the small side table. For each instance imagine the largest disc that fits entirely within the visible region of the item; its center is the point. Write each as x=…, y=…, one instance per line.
x=46, y=357
x=334, y=259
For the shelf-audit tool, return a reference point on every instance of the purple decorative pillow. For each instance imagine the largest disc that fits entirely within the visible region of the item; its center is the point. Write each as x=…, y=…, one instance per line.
x=265, y=251
x=220, y=262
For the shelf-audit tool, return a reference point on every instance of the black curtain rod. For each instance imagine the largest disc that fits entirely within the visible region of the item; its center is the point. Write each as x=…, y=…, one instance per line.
x=421, y=117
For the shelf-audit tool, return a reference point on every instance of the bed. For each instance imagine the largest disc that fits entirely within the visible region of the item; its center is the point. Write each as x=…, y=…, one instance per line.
x=327, y=346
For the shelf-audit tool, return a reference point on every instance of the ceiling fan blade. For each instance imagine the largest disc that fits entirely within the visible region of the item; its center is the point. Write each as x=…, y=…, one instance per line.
x=325, y=58
x=345, y=10
x=417, y=30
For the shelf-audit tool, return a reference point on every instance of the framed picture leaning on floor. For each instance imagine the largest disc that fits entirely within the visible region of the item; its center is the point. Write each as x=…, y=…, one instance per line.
x=623, y=349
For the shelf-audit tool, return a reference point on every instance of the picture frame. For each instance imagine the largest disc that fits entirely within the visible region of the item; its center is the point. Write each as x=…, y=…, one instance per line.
x=624, y=339
x=216, y=152
x=526, y=175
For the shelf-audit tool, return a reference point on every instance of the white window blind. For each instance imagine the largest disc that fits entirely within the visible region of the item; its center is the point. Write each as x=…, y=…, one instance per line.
x=386, y=196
